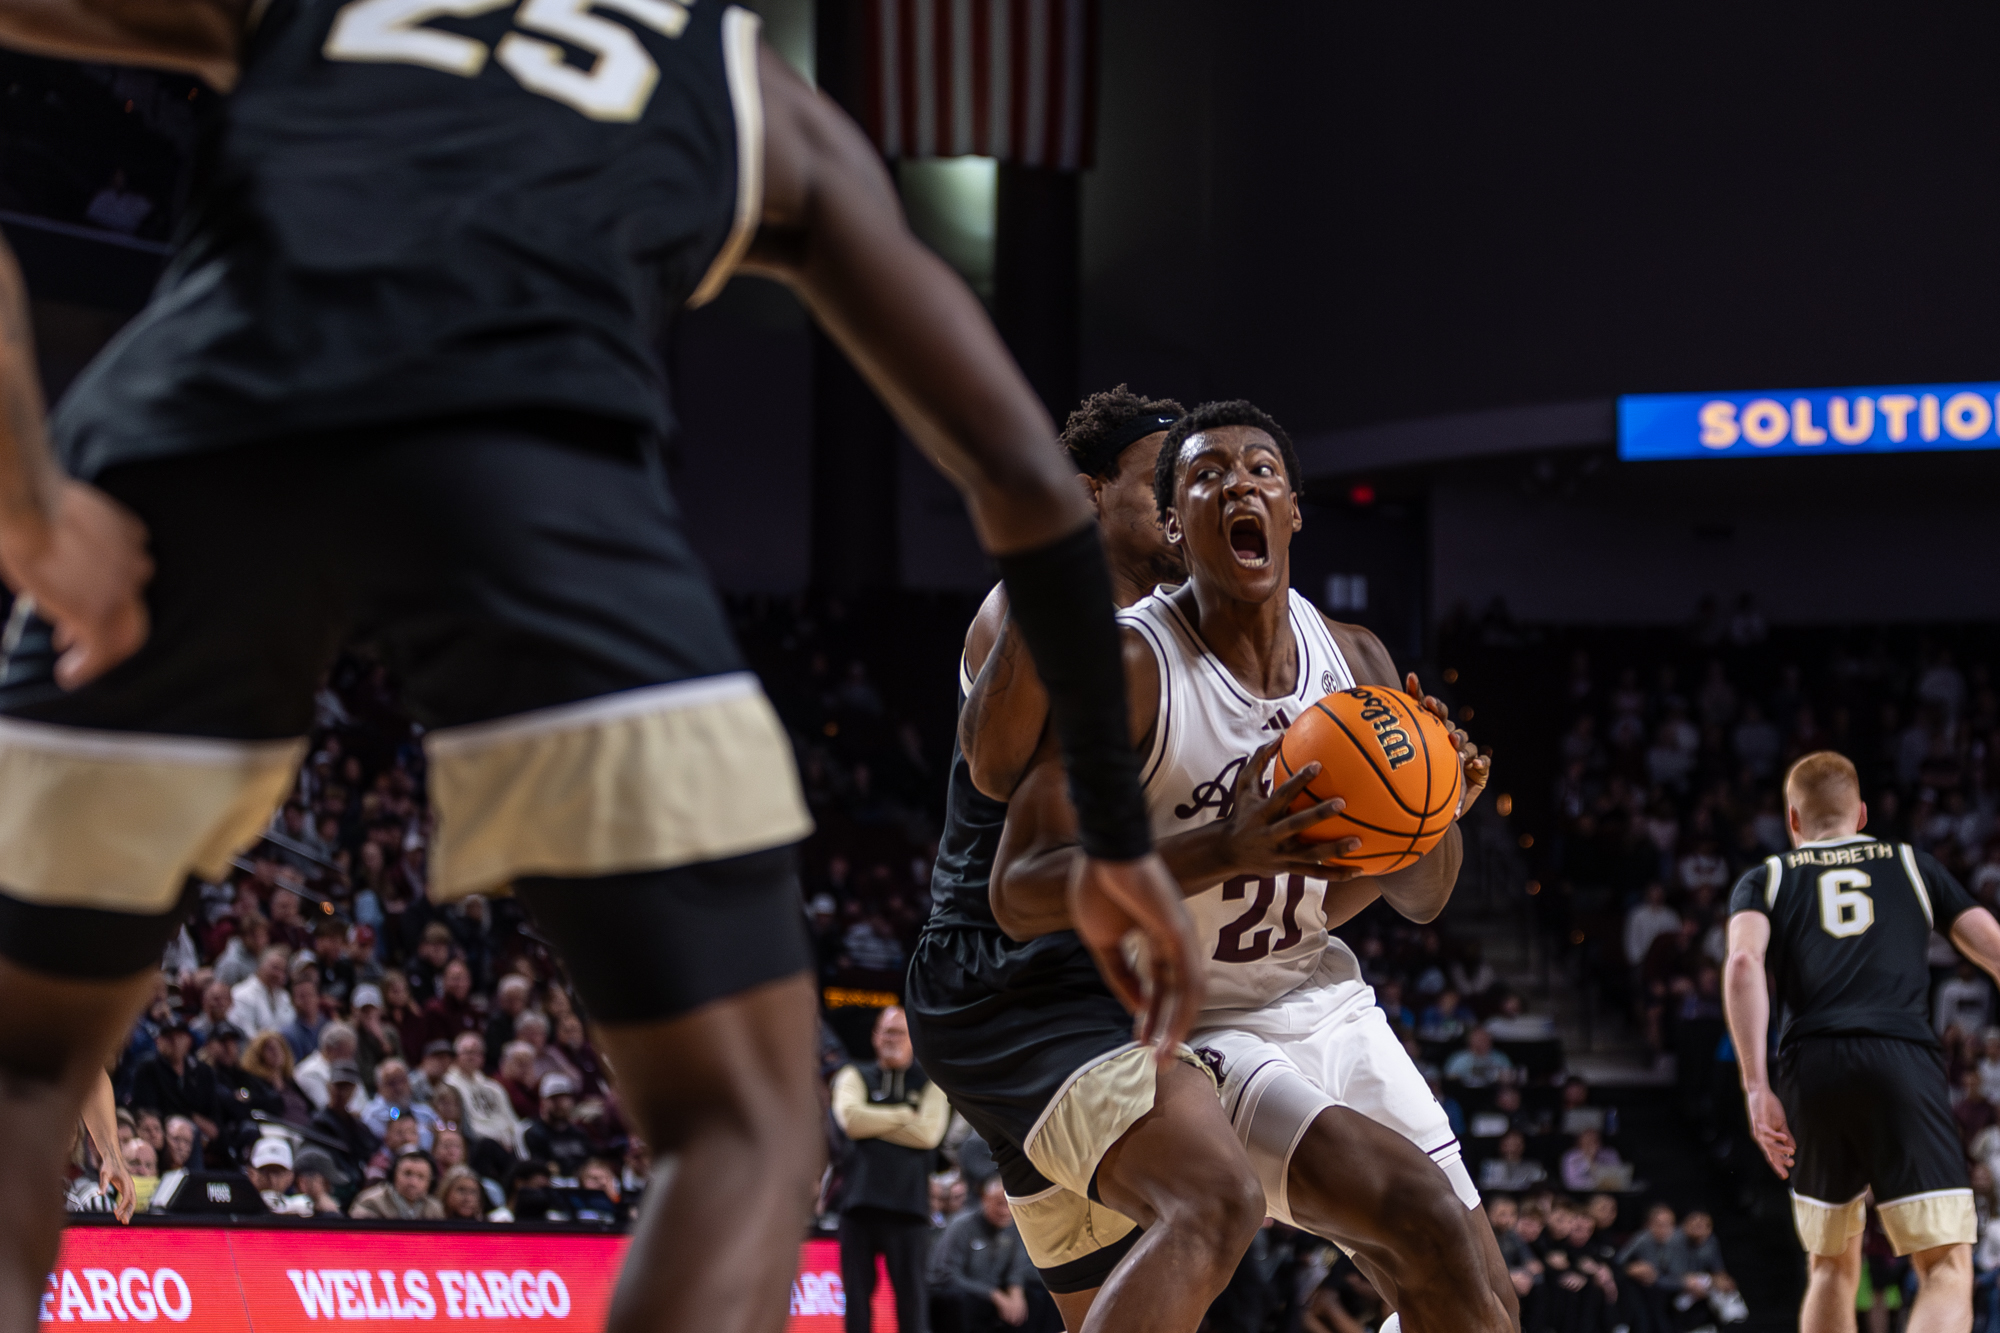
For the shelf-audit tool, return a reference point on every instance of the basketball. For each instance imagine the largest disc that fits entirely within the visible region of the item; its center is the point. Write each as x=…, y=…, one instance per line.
x=1390, y=759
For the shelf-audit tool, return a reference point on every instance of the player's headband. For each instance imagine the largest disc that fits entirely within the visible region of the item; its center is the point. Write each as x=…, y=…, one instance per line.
x=1100, y=460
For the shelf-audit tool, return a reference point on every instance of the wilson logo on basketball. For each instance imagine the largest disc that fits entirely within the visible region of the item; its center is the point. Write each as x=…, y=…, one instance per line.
x=1389, y=733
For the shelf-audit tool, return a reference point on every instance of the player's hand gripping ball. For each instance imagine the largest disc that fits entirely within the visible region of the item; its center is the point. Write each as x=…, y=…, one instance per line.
x=1390, y=759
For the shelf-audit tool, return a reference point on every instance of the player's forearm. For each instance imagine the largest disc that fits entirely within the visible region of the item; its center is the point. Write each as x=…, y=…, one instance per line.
x=1201, y=858
x=1421, y=891
x=100, y=1117
x=28, y=473
x=1748, y=1007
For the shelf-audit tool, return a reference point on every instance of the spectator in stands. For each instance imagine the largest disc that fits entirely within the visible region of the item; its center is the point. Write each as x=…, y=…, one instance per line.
x=405, y=1196
x=394, y=1100
x=553, y=1136
x=1511, y=1170
x=308, y=1020
x=1970, y=1108
x=1591, y=1164
x=1443, y=1021
x=453, y=1151
x=1964, y=1001
x=399, y=1136
x=1479, y=1065
x=895, y=1118
x=489, y=1112
x=1650, y=1263
x=980, y=1272
x=329, y=952
x=262, y=1002
x=510, y=1001
x=144, y=1164
x=426, y=971
x=534, y=1029
x=215, y=1004
x=271, y=1172
x=239, y=958
x=316, y=1178
x=1510, y=1023
x=517, y=1076
x=429, y=1074
x=1702, y=1271
x=1505, y=1115
x=338, y=1124
x=375, y=1040
x=183, y=1137
x=171, y=1084
x=453, y=1011
x=312, y=1074
x=413, y=1026
x=574, y=1044
x=1578, y=1114
x=1390, y=996
x=462, y=1198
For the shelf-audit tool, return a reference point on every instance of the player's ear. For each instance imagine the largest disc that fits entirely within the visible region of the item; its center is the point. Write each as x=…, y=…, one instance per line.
x=1170, y=523
x=1298, y=513
x=1862, y=822
x=1093, y=488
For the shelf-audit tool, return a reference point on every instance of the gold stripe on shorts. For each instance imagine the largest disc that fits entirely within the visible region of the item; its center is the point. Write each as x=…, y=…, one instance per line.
x=645, y=779
x=1826, y=1228
x=1926, y=1221
x=118, y=820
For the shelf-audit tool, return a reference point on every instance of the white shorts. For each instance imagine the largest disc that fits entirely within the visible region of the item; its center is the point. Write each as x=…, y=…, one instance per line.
x=1323, y=1046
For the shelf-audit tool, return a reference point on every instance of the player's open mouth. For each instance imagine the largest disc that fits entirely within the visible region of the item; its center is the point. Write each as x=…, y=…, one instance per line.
x=1246, y=539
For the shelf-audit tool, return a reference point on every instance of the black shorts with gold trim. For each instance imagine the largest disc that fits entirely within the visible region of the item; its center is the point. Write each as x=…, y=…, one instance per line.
x=527, y=580
x=1874, y=1113
x=1037, y=1054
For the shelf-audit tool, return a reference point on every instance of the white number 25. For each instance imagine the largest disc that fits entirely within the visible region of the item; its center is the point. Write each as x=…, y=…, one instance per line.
x=616, y=87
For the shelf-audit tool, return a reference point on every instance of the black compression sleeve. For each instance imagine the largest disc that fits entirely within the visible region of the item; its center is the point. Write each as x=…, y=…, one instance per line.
x=1060, y=596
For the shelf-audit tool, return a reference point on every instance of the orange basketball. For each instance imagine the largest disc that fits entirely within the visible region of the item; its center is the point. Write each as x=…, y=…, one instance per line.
x=1390, y=759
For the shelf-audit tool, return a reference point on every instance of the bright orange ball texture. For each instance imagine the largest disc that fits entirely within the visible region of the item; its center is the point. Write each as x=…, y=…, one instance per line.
x=1390, y=759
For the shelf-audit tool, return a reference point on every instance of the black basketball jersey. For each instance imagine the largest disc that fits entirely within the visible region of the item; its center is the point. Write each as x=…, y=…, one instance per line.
x=963, y=871
x=423, y=208
x=1850, y=932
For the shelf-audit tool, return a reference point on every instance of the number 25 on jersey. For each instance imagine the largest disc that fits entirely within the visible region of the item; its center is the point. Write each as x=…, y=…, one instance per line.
x=616, y=86
x=1844, y=910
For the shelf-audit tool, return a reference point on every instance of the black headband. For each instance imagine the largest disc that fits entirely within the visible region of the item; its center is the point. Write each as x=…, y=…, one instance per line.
x=1137, y=429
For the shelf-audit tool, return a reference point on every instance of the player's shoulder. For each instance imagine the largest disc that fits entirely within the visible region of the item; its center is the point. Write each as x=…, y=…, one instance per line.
x=984, y=631
x=1756, y=889
x=1367, y=658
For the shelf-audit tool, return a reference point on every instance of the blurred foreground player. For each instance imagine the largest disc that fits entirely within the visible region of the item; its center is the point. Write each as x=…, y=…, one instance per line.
x=1859, y=1100
x=396, y=389
x=1132, y=1196
x=1340, y=1128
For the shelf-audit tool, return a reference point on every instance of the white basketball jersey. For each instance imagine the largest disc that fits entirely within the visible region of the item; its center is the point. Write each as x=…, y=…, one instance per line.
x=1262, y=938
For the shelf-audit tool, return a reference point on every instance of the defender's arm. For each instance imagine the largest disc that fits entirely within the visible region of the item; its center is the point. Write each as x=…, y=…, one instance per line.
x=193, y=36
x=1977, y=935
x=1419, y=892
x=78, y=554
x=1007, y=710
x=1747, y=1003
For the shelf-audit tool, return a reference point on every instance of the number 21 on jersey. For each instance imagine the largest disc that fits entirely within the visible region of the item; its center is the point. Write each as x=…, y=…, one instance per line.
x=616, y=86
x=1844, y=910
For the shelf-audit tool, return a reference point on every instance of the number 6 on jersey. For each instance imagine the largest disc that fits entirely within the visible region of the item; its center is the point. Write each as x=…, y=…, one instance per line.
x=1844, y=909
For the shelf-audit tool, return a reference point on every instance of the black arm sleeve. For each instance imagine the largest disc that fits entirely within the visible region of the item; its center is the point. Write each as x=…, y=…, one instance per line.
x=1060, y=596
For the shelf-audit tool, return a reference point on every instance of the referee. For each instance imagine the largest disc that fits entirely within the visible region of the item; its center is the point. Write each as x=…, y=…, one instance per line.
x=1860, y=1100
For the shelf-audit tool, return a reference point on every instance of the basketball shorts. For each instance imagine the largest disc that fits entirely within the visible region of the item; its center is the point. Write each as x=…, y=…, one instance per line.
x=1874, y=1113
x=1037, y=1055
x=588, y=714
x=1321, y=1047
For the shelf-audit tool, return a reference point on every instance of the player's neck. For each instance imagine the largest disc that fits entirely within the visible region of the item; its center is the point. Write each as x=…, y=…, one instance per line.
x=1252, y=639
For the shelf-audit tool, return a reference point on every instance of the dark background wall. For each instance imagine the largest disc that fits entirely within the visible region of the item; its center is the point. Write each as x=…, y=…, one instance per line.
x=1355, y=213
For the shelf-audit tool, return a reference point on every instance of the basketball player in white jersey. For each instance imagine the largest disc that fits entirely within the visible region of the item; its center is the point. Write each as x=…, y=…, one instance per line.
x=1216, y=669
